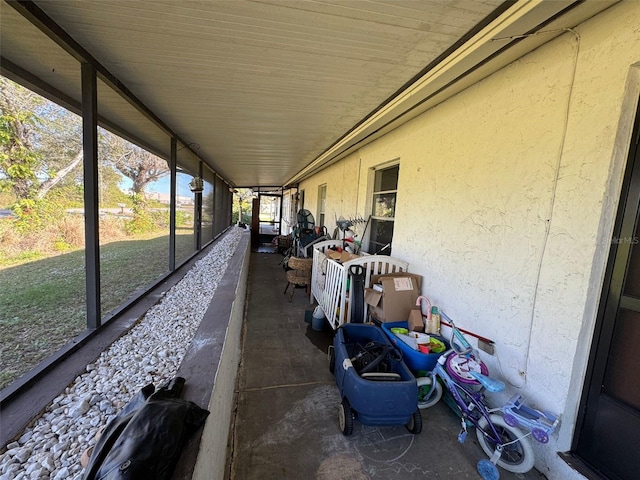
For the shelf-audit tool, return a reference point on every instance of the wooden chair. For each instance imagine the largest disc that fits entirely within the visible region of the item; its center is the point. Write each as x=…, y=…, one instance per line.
x=299, y=275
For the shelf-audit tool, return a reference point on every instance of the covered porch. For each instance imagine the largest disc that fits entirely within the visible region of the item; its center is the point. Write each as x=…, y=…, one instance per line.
x=492, y=142
x=286, y=411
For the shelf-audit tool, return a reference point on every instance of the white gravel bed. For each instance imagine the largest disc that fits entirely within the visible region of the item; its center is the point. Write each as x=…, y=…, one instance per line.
x=150, y=352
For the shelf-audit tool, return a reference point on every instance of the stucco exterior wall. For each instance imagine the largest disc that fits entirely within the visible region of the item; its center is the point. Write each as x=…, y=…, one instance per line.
x=342, y=191
x=506, y=200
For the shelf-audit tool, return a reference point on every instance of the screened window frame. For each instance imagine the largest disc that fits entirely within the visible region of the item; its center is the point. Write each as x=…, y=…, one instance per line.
x=322, y=204
x=373, y=245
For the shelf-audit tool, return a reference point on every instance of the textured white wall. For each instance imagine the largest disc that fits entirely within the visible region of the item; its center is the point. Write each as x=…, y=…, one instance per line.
x=342, y=191
x=506, y=199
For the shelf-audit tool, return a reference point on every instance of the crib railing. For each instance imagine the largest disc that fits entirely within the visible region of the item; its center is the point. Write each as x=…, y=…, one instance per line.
x=329, y=280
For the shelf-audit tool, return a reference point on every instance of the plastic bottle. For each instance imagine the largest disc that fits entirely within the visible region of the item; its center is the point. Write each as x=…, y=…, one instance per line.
x=433, y=324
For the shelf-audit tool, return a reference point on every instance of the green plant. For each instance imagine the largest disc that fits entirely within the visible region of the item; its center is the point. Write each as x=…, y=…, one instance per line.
x=142, y=221
x=28, y=255
x=34, y=215
x=160, y=219
x=18, y=162
x=62, y=246
x=183, y=218
x=112, y=228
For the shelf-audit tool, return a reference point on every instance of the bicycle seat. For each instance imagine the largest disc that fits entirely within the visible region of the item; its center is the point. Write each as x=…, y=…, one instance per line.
x=491, y=384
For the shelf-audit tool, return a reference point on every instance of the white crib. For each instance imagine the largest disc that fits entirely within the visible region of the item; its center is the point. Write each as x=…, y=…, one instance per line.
x=329, y=280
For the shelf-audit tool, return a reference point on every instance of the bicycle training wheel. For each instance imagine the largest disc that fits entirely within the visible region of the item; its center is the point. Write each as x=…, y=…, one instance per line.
x=517, y=457
x=487, y=470
x=428, y=394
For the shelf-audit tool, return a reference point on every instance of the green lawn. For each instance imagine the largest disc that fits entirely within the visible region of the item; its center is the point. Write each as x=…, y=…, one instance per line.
x=42, y=302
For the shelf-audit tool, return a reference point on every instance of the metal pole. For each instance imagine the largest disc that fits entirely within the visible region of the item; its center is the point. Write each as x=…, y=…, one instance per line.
x=172, y=203
x=90, y=166
x=198, y=220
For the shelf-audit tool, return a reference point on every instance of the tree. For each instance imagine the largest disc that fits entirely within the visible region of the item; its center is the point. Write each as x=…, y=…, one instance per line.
x=135, y=163
x=242, y=204
x=40, y=142
x=40, y=148
x=18, y=160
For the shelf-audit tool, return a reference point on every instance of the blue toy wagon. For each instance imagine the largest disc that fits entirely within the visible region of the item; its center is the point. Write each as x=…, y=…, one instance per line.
x=376, y=386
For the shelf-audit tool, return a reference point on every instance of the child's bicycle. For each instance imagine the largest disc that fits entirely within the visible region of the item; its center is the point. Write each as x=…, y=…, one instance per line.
x=466, y=379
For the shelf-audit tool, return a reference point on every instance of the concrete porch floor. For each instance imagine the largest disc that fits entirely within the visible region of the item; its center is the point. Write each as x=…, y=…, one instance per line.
x=286, y=424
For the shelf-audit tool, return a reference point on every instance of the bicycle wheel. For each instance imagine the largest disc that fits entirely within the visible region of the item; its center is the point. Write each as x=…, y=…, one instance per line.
x=428, y=394
x=517, y=457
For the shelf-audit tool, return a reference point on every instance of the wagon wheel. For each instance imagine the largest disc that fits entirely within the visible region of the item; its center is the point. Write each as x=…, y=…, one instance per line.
x=332, y=359
x=415, y=423
x=345, y=417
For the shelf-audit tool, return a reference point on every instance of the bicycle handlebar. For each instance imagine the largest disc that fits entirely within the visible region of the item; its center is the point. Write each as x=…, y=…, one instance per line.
x=461, y=348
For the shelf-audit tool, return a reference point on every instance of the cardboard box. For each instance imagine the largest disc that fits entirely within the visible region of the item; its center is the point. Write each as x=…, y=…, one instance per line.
x=341, y=257
x=415, y=320
x=346, y=256
x=399, y=294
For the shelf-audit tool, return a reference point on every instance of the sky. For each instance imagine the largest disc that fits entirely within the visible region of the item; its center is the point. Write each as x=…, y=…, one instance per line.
x=162, y=185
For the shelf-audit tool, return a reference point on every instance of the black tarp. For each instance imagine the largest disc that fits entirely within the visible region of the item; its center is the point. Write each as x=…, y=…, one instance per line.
x=145, y=440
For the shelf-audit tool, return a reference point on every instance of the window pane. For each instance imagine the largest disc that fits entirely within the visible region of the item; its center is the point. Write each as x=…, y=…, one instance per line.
x=322, y=202
x=381, y=235
x=269, y=215
x=632, y=285
x=220, y=219
x=386, y=179
x=134, y=219
x=42, y=267
x=185, y=236
x=384, y=205
x=208, y=206
x=624, y=359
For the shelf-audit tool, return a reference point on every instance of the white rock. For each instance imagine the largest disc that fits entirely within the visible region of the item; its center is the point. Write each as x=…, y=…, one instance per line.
x=22, y=454
x=31, y=467
x=39, y=473
x=58, y=448
x=62, y=474
x=11, y=470
x=79, y=409
x=48, y=463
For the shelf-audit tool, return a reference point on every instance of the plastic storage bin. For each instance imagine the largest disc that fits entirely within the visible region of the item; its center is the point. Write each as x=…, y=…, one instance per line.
x=414, y=359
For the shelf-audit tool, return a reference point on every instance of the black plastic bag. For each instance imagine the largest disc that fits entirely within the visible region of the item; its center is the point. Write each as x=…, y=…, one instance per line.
x=145, y=440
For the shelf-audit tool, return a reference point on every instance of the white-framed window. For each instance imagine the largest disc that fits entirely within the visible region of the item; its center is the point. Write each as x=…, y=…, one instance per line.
x=322, y=202
x=383, y=210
